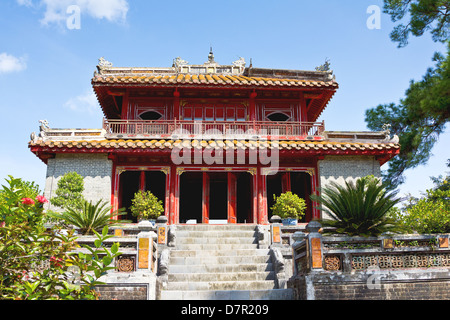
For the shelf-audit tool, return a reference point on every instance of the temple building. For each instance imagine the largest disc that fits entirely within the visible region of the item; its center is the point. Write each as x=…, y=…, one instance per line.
x=214, y=142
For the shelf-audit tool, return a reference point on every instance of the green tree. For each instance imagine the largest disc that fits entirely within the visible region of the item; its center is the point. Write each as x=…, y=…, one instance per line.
x=69, y=193
x=420, y=118
x=425, y=15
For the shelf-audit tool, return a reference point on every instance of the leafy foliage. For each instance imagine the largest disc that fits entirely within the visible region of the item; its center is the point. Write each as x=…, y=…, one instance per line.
x=424, y=15
x=358, y=208
x=429, y=214
x=36, y=263
x=69, y=193
x=91, y=217
x=418, y=120
x=145, y=205
x=289, y=205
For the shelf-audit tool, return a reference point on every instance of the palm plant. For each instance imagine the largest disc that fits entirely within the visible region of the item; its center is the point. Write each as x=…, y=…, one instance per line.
x=91, y=217
x=359, y=208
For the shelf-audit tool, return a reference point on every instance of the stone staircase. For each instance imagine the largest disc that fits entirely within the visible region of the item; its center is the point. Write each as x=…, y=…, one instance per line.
x=220, y=262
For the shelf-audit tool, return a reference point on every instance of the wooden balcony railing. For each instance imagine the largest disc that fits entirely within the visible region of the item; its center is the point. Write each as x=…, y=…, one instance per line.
x=187, y=129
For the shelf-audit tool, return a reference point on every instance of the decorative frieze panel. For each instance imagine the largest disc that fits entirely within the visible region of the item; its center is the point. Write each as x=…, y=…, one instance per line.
x=401, y=261
x=126, y=264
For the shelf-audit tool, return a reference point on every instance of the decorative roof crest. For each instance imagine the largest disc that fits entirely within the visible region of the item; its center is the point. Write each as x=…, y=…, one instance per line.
x=103, y=63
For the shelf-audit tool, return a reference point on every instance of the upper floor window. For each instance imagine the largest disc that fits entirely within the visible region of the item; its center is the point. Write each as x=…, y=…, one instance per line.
x=217, y=112
x=278, y=116
x=151, y=115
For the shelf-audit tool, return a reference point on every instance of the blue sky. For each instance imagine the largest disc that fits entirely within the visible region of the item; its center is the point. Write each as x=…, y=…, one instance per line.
x=46, y=68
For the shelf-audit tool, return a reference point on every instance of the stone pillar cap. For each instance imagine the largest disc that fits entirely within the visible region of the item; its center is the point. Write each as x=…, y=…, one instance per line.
x=313, y=226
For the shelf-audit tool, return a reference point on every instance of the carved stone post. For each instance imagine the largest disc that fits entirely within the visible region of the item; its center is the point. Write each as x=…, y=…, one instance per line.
x=314, y=246
x=145, y=246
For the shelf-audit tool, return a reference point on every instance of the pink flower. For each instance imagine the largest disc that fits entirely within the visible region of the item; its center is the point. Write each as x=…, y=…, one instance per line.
x=41, y=199
x=27, y=201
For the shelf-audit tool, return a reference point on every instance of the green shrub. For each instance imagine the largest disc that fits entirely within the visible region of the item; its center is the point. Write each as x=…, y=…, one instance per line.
x=289, y=205
x=69, y=192
x=430, y=214
x=359, y=208
x=145, y=205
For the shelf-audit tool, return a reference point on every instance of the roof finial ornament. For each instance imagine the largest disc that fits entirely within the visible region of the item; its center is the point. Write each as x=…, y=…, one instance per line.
x=103, y=63
x=324, y=67
x=211, y=55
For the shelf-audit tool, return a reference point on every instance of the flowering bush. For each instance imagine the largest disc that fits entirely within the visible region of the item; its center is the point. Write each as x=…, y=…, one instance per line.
x=36, y=263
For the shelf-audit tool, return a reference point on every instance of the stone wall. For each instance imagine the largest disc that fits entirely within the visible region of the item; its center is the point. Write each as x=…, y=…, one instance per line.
x=389, y=267
x=96, y=169
x=346, y=168
x=341, y=168
x=387, y=285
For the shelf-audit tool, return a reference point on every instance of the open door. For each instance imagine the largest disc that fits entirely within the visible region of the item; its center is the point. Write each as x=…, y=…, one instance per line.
x=232, y=205
x=205, y=198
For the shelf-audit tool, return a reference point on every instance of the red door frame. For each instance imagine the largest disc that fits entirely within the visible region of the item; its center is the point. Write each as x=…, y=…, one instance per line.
x=232, y=198
x=232, y=209
x=115, y=185
x=205, y=198
x=286, y=185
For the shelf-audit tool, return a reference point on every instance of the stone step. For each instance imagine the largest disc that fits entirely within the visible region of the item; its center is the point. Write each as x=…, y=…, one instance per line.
x=215, y=246
x=211, y=227
x=221, y=285
x=221, y=240
x=215, y=253
x=215, y=234
x=220, y=268
x=225, y=276
x=274, y=294
x=219, y=260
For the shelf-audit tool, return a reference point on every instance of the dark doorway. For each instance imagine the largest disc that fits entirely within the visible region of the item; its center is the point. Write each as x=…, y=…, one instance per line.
x=218, y=201
x=129, y=185
x=155, y=182
x=191, y=196
x=244, y=194
x=301, y=186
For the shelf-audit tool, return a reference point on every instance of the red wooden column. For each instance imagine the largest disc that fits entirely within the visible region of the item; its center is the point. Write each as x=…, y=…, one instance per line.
x=286, y=182
x=232, y=204
x=176, y=104
x=262, y=198
x=125, y=106
x=142, y=181
x=114, y=185
x=303, y=108
x=174, y=192
x=205, y=198
x=252, y=106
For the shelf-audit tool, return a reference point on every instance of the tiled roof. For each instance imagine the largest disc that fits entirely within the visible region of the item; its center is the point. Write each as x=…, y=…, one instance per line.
x=213, y=79
x=61, y=146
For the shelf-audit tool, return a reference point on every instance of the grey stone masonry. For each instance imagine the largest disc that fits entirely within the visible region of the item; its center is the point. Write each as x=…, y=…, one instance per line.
x=96, y=170
x=346, y=168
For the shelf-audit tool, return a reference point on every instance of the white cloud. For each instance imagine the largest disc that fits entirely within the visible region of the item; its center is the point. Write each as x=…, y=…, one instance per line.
x=86, y=102
x=9, y=63
x=56, y=10
x=27, y=3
